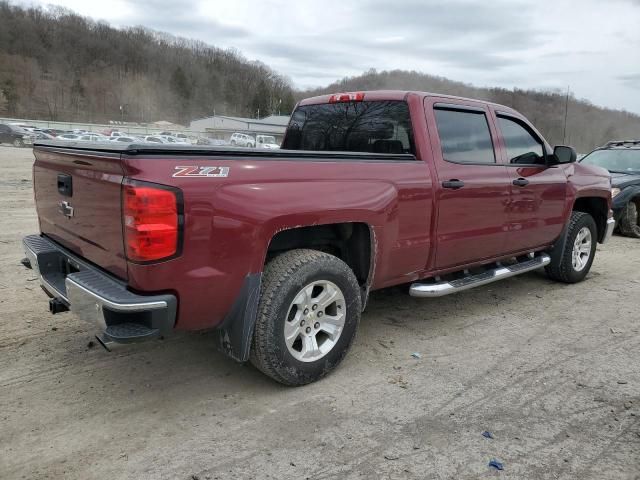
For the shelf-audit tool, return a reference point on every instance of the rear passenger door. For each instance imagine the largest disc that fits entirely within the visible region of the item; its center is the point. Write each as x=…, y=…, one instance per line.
x=473, y=187
x=538, y=198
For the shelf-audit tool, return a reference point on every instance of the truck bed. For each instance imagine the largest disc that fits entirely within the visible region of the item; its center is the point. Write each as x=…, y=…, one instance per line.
x=204, y=150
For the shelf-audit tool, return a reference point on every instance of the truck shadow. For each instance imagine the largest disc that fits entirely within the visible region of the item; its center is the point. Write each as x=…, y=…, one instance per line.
x=188, y=363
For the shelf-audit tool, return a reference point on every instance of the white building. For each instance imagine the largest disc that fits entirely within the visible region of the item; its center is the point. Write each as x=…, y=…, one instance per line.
x=222, y=126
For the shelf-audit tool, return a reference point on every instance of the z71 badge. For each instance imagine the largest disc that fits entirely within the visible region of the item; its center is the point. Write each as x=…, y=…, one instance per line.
x=201, y=172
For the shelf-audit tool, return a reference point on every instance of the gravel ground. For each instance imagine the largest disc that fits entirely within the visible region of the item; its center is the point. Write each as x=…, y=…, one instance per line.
x=551, y=370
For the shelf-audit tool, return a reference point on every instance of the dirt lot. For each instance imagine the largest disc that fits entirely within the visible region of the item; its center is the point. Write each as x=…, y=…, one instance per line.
x=552, y=371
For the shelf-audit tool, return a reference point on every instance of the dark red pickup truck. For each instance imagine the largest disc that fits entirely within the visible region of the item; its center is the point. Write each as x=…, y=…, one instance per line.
x=278, y=250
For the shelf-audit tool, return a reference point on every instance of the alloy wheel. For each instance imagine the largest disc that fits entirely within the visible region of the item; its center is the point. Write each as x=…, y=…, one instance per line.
x=581, y=249
x=315, y=321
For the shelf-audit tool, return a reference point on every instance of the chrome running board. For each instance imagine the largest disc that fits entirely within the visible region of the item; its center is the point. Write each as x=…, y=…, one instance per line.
x=439, y=289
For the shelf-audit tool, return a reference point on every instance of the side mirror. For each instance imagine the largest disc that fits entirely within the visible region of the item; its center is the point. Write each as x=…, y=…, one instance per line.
x=564, y=154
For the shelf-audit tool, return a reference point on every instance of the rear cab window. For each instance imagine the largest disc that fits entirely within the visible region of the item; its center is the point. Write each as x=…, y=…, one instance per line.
x=377, y=126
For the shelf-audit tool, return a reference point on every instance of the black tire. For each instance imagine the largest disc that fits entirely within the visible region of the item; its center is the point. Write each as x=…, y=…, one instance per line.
x=629, y=224
x=283, y=279
x=18, y=143
x=233, y=143
x=561, y=267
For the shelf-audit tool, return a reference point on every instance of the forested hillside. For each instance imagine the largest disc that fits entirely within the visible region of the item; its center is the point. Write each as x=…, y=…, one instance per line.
x=587, y=124
x=57, y=65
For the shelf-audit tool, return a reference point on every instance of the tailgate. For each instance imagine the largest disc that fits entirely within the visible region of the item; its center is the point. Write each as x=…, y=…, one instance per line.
x=79, y=205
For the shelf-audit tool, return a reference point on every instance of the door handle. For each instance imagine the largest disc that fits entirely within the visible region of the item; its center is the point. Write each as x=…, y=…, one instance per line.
x=454, y=184
x=521, y=182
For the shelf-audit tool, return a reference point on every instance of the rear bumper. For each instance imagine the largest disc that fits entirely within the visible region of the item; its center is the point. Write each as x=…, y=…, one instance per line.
x=96, y=297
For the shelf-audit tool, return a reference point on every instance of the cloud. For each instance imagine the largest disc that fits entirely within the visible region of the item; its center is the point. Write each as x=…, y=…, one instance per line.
x=631, y=80
x=506, y=43
x=182, y=19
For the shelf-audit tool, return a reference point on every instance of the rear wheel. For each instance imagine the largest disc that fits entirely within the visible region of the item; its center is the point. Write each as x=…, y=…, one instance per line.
x=629, y=224
x=574, y=261
x=18, y=143
x=307, y=318
x=233, y=143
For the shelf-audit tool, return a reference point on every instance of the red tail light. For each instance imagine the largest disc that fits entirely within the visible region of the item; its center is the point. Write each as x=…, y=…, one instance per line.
x=347, y=97
x=152, y=221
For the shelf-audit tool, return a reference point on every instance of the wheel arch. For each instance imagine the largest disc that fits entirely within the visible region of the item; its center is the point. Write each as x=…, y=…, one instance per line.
x=352, y=242
x=598, y=208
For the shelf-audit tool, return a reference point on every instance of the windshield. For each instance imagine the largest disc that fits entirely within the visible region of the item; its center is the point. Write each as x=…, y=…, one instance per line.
x=372, y=127
x=618, y=161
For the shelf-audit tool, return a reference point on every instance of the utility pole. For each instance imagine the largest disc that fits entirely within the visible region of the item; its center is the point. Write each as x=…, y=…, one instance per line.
x=566, y=112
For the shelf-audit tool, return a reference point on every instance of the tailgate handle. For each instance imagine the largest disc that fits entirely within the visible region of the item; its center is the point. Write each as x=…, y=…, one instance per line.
x=65, y=185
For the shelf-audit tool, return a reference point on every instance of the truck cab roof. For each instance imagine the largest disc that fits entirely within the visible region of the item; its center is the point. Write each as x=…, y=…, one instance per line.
x=378, y=95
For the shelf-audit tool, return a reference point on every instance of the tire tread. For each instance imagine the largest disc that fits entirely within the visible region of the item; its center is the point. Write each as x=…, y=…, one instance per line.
x=276, y=272
x=628, y=224
x=561, y=270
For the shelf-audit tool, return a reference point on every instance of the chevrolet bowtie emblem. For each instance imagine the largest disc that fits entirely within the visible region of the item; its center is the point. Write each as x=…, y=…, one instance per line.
x=65, y=209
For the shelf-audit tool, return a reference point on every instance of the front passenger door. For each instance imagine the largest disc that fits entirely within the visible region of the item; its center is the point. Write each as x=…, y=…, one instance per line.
x=538, y=199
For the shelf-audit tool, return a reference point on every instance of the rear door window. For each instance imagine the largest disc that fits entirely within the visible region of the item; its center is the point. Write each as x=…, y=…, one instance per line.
x=464, y=136
x=369, y=127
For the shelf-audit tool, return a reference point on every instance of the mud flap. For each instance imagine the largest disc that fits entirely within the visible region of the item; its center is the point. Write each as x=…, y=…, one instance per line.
x=558, y=247
x=234, y=335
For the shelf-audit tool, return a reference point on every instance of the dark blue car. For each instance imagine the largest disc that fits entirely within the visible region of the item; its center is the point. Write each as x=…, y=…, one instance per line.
x=622, y=159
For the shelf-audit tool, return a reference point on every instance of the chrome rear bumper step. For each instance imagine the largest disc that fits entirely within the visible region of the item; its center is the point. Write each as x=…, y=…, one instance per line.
x=439, y=289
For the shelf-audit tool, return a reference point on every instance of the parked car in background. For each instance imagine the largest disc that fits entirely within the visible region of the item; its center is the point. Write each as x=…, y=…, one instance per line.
x=68, y=136
x=52, y=131
x=24, y=126
x=108, y=131
x=173, y=139
x=39, y=135
x=266, y=141
x=16, y=136
x=93, y=137
x=242, y=140
x=153, y=139
x=622, y=159
x=211, y=141
x=116, y=133
x=279, y=252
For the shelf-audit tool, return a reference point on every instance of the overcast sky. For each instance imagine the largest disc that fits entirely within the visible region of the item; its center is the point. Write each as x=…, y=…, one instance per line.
x=593, y=46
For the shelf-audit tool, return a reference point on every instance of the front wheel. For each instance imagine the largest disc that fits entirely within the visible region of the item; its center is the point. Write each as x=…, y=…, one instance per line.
x=629, y=224
x=307, y=317
x=18, y=143
x=573, y=263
